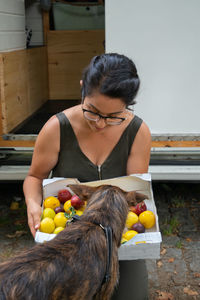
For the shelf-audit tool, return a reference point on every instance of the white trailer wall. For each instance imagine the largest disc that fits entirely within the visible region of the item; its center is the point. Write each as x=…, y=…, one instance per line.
x=163, y=39
x=12, y=25
x=34, y=22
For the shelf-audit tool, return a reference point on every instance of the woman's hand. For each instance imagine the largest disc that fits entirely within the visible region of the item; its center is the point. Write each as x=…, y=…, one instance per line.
x=34, y=212
x=44, y=158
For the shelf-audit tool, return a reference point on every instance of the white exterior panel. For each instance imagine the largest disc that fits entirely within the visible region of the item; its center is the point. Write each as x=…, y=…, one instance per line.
x=12, y=25
x=10, y=41
x=12, y=6
x=162, y=37
x=34, y=22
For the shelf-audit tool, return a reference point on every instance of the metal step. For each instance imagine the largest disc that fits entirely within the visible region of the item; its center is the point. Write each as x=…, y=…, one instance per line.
x=158, y=173
x=178, y=164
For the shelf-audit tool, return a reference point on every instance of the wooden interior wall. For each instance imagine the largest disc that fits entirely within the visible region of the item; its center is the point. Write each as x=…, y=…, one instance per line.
x=24, y=85
x=68, y=53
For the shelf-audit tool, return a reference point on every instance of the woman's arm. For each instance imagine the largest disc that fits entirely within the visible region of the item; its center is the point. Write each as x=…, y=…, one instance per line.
x=45, y=157
x=138, y=161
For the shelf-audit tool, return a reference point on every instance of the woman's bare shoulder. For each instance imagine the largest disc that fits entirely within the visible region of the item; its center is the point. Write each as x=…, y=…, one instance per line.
x=142, y=139
x=139, y=157
x=144, y=131
x=49, y=134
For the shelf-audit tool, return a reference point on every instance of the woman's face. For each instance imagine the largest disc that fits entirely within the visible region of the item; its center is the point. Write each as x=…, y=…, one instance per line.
x=105, y=106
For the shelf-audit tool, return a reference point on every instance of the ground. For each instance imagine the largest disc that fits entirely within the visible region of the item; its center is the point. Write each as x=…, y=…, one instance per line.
x=176, y=275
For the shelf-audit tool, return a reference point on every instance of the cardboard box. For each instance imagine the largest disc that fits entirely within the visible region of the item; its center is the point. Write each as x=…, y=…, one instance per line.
x=142, y=246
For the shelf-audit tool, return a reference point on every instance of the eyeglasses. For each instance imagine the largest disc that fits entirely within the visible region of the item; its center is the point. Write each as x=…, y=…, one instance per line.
x=92, y=116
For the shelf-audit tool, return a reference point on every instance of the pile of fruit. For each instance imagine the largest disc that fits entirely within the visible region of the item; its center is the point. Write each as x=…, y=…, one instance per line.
x=138, y=219
x=60, y=210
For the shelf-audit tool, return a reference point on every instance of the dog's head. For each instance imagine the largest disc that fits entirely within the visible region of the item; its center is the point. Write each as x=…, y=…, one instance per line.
x=108, y=205
x=85, y=192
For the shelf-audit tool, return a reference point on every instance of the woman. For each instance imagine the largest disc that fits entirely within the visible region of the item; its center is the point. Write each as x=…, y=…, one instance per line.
x=99, y=139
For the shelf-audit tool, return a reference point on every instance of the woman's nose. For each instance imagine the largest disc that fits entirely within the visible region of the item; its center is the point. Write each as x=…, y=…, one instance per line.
x=101, y=123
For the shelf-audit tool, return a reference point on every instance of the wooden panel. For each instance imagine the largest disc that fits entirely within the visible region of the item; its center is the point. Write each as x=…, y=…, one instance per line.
x=175, y=143
x=14, y=103
x=38, y=78
x=23, y=85
x=17, y=143
x=68, y=53
x=1, y=91
x=46, y=25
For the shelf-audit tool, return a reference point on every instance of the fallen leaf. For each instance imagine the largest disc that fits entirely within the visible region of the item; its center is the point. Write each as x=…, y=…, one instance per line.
x=14, y=206
x=170, y=260
x=190, y=292
x=163, y=251
x=20, y=222
x=197, y=275
x=18, y=233
x=164, y=296
x=159, y=264
x=188, y=239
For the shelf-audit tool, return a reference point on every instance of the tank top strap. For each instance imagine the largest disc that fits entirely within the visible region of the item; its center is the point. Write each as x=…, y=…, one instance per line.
x=132, y=130
x=66, y=131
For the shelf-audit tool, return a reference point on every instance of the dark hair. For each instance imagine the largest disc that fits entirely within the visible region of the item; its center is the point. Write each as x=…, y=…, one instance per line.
x=113, y=75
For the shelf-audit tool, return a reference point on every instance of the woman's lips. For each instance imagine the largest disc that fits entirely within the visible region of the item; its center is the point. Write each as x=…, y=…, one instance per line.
x=99, y=129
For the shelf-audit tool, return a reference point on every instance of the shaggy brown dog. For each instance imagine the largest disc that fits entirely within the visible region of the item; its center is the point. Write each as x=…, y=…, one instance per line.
x=74, y=264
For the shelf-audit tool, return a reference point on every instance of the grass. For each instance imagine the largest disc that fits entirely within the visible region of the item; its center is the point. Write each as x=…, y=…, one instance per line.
x=4, y=221
x=171, y=226
x=178, y=202
x=179, y=245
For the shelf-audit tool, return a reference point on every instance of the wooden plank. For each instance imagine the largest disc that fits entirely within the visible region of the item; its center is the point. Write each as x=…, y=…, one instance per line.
x=38, y=81
x=46, y=25
x=1, y=91
x=68, y=53
x=65, y=75
x=16, y=143
x=14, y=104
x=25, y=86
x=175, y=143
x=75, y=40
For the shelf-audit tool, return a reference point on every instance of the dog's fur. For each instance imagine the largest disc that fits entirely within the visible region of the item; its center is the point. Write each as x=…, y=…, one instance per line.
x=72, y=265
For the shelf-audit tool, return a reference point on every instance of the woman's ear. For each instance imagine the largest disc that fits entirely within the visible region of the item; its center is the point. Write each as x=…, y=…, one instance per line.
x=81, y=82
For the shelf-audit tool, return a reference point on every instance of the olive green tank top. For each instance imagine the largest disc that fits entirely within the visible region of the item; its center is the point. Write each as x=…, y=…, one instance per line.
x=73, y=163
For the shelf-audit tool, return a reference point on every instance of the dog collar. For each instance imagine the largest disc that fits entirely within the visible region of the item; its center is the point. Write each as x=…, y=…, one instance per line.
x=108, y=233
